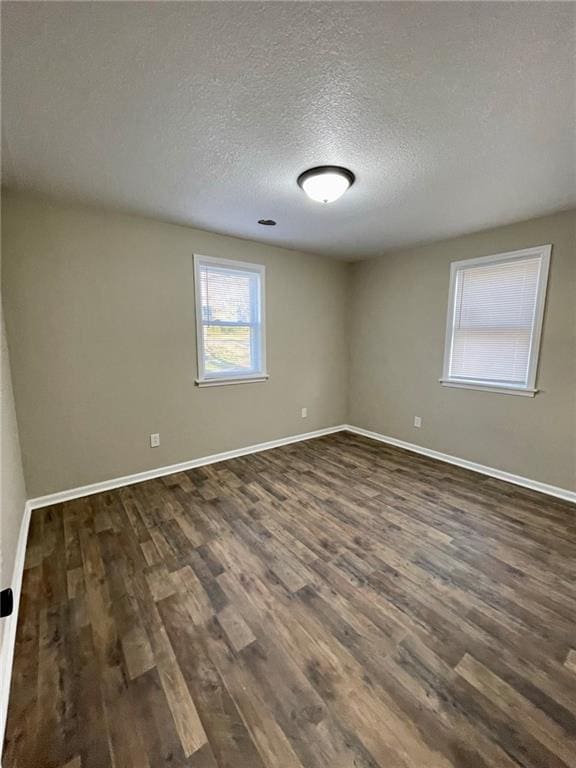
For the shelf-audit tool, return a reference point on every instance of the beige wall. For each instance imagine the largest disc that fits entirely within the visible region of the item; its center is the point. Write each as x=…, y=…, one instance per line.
x=100, y=318
x=398, y=320
x=12, y=489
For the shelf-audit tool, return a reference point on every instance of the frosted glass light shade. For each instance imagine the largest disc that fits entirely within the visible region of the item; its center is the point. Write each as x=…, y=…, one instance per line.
x=326, y=183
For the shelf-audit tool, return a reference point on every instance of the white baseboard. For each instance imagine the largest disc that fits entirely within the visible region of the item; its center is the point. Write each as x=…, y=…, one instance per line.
x=11, y=622
x=525, y=482
x=140, y=477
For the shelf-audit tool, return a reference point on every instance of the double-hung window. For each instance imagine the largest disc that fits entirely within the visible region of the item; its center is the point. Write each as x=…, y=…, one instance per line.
x=229, y=321
x=495, y=314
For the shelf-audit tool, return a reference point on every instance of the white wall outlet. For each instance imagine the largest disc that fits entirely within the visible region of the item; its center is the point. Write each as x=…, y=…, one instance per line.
x=155, y=440
x=304, y=413
x=417, y=421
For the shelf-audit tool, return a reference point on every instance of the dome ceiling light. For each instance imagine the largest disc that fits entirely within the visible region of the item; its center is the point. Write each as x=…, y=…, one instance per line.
x=326, y=183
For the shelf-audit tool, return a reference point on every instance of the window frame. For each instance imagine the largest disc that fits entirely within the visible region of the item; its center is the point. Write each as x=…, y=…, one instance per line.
x=204, y=380
x=529, y=388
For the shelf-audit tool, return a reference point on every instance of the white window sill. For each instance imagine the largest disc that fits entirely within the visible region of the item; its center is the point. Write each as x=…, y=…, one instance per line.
x=231, y=380
x=500, y=389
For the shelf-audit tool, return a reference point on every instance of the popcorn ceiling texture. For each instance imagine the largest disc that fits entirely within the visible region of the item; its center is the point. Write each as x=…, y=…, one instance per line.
x=454, y=116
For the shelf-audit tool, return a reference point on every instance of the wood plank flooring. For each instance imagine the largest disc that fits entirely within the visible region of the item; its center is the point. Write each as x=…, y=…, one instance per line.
x=336, y=603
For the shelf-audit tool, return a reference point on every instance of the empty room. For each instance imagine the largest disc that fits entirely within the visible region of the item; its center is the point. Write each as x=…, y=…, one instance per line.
x=288, y=384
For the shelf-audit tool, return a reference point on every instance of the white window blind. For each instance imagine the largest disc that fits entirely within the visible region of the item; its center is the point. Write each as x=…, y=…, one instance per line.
x=230, y=320
x=494, y=321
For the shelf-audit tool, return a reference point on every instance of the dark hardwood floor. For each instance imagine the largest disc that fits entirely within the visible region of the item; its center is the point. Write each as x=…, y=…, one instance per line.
x=330, y=604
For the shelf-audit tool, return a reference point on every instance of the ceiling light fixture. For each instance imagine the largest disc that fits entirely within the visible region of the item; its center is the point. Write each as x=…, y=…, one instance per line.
x=326, y=183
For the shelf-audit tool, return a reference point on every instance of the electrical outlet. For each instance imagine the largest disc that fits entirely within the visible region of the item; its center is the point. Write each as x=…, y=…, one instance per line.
x=304, y=413
x=155, y=440
x=417, y=421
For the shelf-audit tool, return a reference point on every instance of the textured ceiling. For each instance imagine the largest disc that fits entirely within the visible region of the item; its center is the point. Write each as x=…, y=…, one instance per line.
x=453, y=116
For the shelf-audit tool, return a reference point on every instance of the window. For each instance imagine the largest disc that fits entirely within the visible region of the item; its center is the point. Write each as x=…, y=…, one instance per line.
x=495, y=317
x=229, y=321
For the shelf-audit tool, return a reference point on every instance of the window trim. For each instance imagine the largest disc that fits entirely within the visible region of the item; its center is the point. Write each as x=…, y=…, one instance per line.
x=529, y=389
x=232, y=378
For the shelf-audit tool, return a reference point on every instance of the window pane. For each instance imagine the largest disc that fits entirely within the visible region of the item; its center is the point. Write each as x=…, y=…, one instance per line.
x=229, y=349
x=500, y=355
x=497, y=295
x=494, y=314
x=229, y=295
